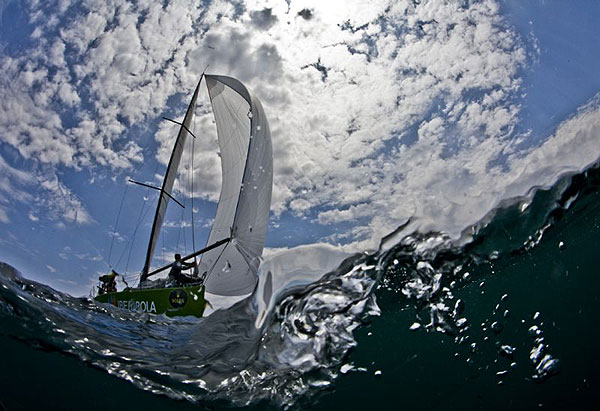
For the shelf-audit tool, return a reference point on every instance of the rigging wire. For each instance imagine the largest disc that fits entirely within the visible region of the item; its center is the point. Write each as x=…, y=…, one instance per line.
x=181, y=230
x=192, y=194
x=116, y=224
x=181, y=219
x=143, y=213
x=212, y=268
x=163, y=245
x=129, y=242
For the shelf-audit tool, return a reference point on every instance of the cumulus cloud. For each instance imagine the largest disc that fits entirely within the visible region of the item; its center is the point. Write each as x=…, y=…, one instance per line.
x=380, y=111
x=263, y=19
x=40, y=192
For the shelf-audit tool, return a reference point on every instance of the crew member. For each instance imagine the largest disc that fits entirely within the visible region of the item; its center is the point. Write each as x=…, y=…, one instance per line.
x=176, y=277
x=108, y=282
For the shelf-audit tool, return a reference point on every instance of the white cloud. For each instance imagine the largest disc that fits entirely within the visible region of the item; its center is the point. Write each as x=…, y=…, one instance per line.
x=349, y=214
x=299, y=205
x=458, y=192
x=40, y=192
x=380, y=111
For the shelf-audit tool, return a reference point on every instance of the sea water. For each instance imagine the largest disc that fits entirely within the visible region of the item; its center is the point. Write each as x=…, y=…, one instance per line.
x=505, y=316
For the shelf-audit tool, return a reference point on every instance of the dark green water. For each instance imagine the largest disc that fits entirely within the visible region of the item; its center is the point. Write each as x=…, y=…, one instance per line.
x=549, y=282
x=423, y=370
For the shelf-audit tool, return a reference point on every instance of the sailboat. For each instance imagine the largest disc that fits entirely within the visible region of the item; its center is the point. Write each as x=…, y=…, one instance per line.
x=229, y=262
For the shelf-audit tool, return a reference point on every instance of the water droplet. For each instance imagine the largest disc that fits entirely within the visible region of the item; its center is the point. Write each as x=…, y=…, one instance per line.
x=346, y=367
x=415, y=326
x=497, y=327
x=378, y=373
x=227, y=267
x=547, y=367
x=507, y=351
x=258, y=128
x=459, y=307
x=536, y=315
x=536, y=352
x=561, y=245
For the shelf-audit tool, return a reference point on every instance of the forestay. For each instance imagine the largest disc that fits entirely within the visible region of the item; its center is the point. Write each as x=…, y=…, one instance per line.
x=245, y=199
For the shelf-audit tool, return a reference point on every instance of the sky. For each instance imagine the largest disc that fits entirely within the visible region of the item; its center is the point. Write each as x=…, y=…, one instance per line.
x=381, y=113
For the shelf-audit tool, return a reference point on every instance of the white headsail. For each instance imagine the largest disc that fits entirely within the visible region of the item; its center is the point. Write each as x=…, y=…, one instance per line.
x=245, y=199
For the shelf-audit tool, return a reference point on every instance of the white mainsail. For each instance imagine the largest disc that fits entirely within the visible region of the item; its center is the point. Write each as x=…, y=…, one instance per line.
x=245, y=199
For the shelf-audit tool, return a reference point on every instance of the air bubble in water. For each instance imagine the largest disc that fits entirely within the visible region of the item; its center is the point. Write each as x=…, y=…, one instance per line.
x=507, y=351
x=547, y=367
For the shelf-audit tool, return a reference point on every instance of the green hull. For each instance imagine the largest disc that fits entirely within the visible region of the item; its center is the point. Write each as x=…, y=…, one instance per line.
x=177, y=301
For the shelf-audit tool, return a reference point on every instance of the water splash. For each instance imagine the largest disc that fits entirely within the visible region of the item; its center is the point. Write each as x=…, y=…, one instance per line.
x=292, y=337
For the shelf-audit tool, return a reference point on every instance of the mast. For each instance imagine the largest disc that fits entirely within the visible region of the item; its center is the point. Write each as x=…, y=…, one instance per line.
x=169, y=180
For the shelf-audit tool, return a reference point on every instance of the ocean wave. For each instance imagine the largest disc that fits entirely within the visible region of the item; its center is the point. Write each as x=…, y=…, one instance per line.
x=293, y=336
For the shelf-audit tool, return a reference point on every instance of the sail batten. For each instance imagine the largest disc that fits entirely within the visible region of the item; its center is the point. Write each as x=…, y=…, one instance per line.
x=168, y=181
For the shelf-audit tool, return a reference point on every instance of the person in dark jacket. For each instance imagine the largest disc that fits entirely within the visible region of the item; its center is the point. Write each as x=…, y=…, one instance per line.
x=176, y=277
